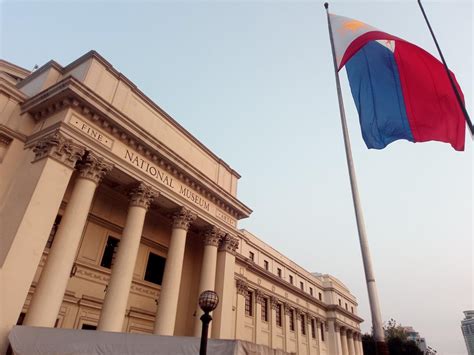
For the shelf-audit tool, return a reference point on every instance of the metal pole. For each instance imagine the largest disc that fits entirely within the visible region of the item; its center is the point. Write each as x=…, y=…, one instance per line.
x=448, y=72
x=364, y=245
x=206, y=319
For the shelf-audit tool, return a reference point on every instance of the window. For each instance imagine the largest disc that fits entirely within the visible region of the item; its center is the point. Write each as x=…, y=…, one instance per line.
x=88, y=326
x=249, y=303
x=279, y=272
x=311, y=291
x=302, y=285
x=251, y=256
x=109, y=252
x=291, y=279
x=292, y=320
x=303, y=325
x=352, y=309
x=265, y=310
x=322, y=331
x=265, y=265
x=346, y=305
x=340, y=303
x=155, y=268
x=313, y=329
x=278, y=315
x=54, y=229
x=320, y=296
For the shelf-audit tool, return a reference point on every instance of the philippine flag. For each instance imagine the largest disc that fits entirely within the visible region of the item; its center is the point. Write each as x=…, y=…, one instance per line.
x=400, y=90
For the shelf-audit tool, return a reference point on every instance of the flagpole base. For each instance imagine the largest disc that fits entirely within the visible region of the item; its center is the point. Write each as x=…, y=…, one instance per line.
x=382, y=348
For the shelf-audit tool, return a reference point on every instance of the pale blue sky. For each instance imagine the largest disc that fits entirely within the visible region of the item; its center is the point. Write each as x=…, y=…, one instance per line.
x=253, y=80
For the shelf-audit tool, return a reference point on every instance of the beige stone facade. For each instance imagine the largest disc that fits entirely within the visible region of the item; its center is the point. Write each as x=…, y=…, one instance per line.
x=114, y=216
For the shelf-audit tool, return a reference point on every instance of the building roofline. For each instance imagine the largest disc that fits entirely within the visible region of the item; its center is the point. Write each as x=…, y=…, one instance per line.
x=94, y=54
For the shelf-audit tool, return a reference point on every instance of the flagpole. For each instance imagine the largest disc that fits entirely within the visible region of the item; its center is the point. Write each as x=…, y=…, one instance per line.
x=364, y=245
x=448, y=72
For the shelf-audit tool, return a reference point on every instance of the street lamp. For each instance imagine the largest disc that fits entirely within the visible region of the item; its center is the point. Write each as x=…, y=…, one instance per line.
x=208, y=301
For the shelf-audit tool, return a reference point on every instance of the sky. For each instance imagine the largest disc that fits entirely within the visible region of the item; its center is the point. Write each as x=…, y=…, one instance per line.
x=254, y=81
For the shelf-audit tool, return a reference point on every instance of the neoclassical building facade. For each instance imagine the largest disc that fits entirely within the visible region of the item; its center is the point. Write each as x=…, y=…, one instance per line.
x=115, y=218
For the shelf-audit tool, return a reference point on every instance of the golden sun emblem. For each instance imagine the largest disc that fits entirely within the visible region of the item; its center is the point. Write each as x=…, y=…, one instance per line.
x=353, y=25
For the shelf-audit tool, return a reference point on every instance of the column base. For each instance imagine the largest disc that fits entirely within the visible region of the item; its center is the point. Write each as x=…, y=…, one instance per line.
x=381, y=348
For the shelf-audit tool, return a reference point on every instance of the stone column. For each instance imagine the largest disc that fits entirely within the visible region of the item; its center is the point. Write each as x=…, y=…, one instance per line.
x=273, y=326
x=27, y=213
x=343, y=335
x=287, y=314
x=168, y=301
x=118, y=289
x=208, y=272
x=308, y=332
x=242, y=289
x=350, y=342
x=334, y=338
x=359, y=344
x=225, y=287
x=258, y=315
x=49, y=292
x=356, y=344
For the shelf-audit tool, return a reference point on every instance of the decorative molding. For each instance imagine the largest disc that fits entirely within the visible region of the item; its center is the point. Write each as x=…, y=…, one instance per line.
x=229, y=244
x=287, y=308
x=94, y=167
x=259, y=296
x=5, y=140
x=242, y=286
x=274, y=302
x=212, y=236
x=183, y=218
x=69, y=93
x=59, y=148
x=142, y=196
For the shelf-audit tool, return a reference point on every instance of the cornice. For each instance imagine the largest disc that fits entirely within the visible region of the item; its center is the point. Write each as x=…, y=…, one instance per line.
x=11, y=90
x=39, y=71
x=338, y=309
x=70, y=93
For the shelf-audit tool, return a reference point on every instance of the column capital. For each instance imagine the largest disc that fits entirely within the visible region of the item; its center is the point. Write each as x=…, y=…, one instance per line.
x=142, y=196
x=274, y=302
x=183, y=218
x=287, y=308
x=259, y=296
x=213, y=236
x=298, y=311
x=59, y=148
x=229, y=244
x=242, y=286
x=94, y=167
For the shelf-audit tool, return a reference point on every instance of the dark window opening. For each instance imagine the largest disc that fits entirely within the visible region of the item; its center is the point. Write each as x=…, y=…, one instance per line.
x=109, y=252
x=278, y=315
x=292, y=320
x=303, y=325
x=54, y=229
x=155, y=269
x=322, y=331
x=320, y=296
x=251, y=256
x=301, y=285
x=313, y=329
x=86, y=326
x=279, y=272
x=265, y=310
x=311, y=291
x=249, y=303
x=265, y=265
x=291, y=279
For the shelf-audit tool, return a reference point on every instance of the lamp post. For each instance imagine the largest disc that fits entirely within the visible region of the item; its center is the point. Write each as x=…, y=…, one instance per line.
x=208, y=301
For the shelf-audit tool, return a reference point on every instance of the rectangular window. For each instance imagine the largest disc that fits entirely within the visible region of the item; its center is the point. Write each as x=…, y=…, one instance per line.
x=54, y=229
x=278, y=315
x=346, y=305
x=88, y=326
x=322, y=331
x=340, y=303
x=301, y=285
x=303, y=325
x=265, y=265
x=291, y=279
x=292, y=320
x=265, y=310
x=249, y=303
x=313, y=329
x=279, y=272
x=251, y=256
x=320, y=296
x=109, y=252
x=311, y=291
x=352, y=309
x=155, y=268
